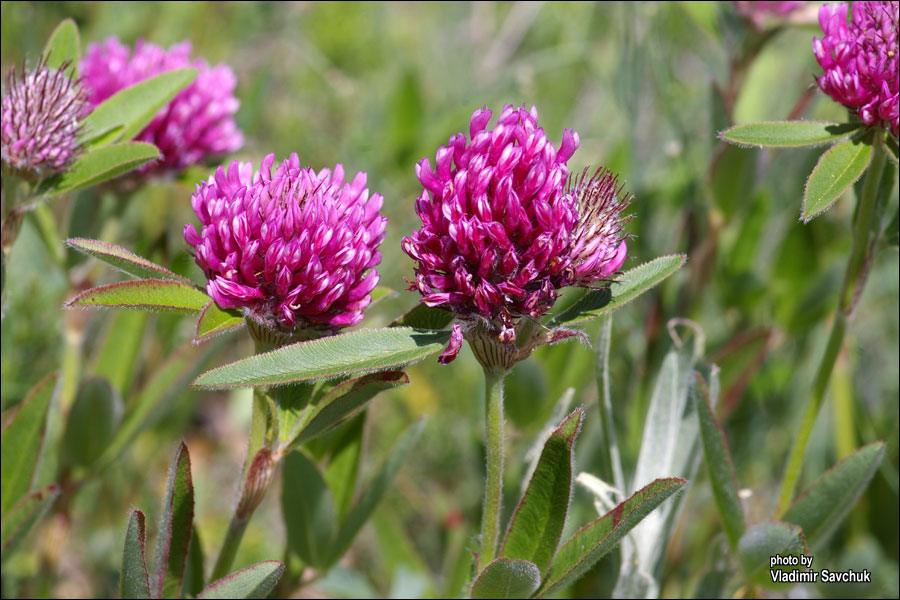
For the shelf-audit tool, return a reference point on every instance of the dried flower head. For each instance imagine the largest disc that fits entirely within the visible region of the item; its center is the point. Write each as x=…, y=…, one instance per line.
x=860, y=60
x=41, y=118
x=502, y=230
x=293, y=249
x=197, y=123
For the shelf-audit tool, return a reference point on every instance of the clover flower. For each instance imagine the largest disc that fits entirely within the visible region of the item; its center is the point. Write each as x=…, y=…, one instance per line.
x=197, y=123
x=504, y=227
x=860, y=60
x=293, y=249
x=758, y=11
x=41, y=119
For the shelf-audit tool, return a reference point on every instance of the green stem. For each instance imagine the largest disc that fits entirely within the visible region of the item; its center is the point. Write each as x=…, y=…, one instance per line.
x=493, y=487
x=851, y=289
x=610, y=460
x=238, y=524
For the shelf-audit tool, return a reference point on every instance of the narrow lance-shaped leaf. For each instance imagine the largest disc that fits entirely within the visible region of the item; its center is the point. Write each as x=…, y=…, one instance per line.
x=538, y=521
x=214, y=321
x=19, y=520
x=256, y=581
x=822, y=507
x=134, y=579
x=308, y=509
x=836, y=171
x=628, y=286
x=763, y=541
x=718, y=464
x=163, y=384
x=369, y=499
x=360, y=351
x=117, y=357
x=175, y=527
x=91, y=423
x=22, y=442
x=102, y=164
x=592, y=542
x=345, y=400
x=124, y=114
x=143, y=294
x=787, y=134
x=193, y=574
x=64, y=46
x=122, y=259
x=424, y=317
x=507, y=578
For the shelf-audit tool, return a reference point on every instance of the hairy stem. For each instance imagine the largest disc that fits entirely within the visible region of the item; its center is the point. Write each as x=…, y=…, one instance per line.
x=493, y=487
x=861, y=254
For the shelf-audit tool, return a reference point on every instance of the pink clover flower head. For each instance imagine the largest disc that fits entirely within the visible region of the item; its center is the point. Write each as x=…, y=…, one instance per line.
x=293, y=248
x=40, y=121
x=757, y=11
x=504, y=227
x=196, y=124
x=860, y=60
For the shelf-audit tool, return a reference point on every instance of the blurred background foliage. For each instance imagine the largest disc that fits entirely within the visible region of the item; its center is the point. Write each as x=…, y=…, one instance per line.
x=377, y=86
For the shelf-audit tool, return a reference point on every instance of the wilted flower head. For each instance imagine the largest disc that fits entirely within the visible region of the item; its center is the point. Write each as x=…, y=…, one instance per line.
x=293, y=249
x=41, y=119
x=197, y=123
x=502, y=231
x=860, y=59
x=757, y=11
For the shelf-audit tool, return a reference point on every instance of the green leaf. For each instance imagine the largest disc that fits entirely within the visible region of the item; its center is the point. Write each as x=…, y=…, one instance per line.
x=193, y=573
x=369, y=499
x=308, y=510
x=628, y=286
x=593, y=541
x=670, y=444
x=215, y=321
x=92, y=422
x=822, y=507
x=256, y=581
x=143, y=294
x=342, y=471
x=163, y=385
x=22, y=442
x=787, y=134
x=836, y=171
x=507, y=578
x=424, y=317
x=537, y=523
x=381, y=293
x=345, y=400
x=361, y=351
x=101, y=164
x=719, y=464
x=123, y=260
x=117, y=357
x=175, y=527
x=19, y=520
x=64, y=46
x=124, y=114
x=134, y=579
x=763, y=541
x=892, y=148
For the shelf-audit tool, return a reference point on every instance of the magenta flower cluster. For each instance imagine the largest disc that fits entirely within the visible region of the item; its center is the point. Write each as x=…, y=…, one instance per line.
x=860, y=59
x=759, y=10
x=293, y=248
x=41, y=120
x=197, y=123
x=502, y=227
